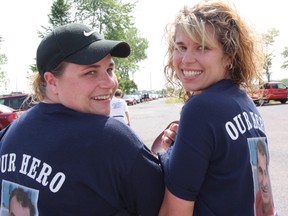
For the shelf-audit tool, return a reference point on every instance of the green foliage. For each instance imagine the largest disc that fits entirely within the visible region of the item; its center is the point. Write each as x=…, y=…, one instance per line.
x=127, y=86
x=269, y=39
x=3, y=58
x=285, y=56
x=111, y=18
x=60, y=15
x=3, y=74
x=285, y=81
x=173, y=100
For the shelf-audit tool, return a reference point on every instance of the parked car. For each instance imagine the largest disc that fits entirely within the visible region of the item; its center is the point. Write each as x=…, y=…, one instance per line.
x=7, y=115
x=137, y=98
x=130, y=99
x=154, y=96
x=17, y=101
x=276, y=91
x=139, y=95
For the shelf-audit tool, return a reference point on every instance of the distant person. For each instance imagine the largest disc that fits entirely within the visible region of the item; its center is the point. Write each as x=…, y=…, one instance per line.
x=67, y=147
x=264, y=201
x=20, y=203
x=119, y=108
x=146, y=97
x=214, y=58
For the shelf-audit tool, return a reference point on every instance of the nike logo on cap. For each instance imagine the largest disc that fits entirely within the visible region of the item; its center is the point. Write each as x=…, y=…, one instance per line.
x=87, y=34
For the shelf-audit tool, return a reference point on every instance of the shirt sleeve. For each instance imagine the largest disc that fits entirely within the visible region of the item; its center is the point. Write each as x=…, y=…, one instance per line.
x=143, y=187
x=185, y=164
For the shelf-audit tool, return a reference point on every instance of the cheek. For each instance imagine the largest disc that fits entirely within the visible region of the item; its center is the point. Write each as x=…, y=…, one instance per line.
x=115, y=83
x=176, y=59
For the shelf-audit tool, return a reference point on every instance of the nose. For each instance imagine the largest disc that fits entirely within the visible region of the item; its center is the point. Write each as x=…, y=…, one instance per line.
x=189, y=57
x=265, y=179
x=108, y=81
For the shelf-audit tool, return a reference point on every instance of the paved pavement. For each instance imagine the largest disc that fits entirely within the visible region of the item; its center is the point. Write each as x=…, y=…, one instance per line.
x=149, y=119
x=276, y=127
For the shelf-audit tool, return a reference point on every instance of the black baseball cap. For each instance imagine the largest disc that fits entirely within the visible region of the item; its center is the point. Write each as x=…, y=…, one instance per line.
x=76, y=43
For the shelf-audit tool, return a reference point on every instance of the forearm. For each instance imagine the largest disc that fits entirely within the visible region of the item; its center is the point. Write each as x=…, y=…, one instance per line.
x=127, y=117
x=174, y=206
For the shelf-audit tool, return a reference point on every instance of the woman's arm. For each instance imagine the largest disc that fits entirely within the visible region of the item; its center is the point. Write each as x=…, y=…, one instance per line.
x=174, y=206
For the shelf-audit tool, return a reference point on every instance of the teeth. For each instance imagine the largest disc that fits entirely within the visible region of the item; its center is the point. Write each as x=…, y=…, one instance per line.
x=102, y=97
x=191, y=73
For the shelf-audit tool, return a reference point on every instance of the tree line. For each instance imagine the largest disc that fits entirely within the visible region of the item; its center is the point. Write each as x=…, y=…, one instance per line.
x=115, y=21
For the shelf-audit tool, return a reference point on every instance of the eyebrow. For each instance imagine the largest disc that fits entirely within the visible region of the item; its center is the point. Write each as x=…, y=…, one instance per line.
x=112, y=64
x=179, y=43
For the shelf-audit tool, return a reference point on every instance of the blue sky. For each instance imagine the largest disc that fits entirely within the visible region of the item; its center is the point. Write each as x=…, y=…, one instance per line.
x=20, y=21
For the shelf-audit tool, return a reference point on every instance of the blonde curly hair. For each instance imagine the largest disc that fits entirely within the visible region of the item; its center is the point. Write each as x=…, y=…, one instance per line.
x=236, y=37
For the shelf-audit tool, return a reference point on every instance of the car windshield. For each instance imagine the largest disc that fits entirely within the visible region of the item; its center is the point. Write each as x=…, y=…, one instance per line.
x=15, y=102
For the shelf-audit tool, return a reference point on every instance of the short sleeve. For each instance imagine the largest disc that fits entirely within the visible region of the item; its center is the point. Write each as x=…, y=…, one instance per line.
x=143, y=187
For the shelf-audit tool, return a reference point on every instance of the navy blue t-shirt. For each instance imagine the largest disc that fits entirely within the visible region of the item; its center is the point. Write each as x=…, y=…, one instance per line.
x=72, y=163
x=210, y=161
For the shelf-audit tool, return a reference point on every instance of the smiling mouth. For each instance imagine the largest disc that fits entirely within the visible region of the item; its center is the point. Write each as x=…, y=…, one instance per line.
x=264, y=189
x=101, y=97
x=191, y=73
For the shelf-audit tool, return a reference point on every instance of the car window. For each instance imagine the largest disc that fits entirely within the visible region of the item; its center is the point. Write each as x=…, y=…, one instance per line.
x=281, y=86
x=17, y=102
x=266, y=86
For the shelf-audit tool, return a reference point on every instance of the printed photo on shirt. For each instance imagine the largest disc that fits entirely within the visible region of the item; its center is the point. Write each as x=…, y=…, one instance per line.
x=259, y=159
x=18, y=200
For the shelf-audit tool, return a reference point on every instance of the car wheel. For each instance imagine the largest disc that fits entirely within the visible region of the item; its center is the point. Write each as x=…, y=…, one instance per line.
x=261, y=102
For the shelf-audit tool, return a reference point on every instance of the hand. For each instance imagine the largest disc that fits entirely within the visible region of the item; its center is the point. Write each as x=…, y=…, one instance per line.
x=165, y=139
x=169, y=136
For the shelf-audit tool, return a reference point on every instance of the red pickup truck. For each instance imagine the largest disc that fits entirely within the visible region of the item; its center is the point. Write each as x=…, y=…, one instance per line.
x=276, y=91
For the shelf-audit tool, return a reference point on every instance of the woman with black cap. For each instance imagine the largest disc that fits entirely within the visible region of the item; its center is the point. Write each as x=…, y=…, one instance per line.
x=72, y=157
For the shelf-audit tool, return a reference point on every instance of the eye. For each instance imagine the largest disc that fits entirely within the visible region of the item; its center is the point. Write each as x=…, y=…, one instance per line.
x=110, y=70
x=180, y=48
x=90, y=73
x=202, y=48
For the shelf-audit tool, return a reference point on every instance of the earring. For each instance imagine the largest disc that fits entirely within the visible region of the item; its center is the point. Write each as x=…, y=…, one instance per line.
x=230, y=66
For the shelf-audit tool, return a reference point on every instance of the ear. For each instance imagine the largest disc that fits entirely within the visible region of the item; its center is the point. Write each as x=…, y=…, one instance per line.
x=51, y=81
x=227, y=61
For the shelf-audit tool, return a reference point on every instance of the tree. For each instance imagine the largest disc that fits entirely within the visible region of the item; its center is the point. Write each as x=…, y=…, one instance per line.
x=285, y=56
x=130, y=64
x=268, y=42
x=3, y=74
x=111, y=18
x=60, y=15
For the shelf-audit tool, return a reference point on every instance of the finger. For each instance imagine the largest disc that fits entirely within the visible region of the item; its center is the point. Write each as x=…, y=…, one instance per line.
x=166, y=142
x=170, y=134
x=174, y=127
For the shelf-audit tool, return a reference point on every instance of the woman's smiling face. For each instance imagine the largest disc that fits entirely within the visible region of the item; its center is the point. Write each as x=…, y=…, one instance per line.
x=199, y=67
x=87, y=88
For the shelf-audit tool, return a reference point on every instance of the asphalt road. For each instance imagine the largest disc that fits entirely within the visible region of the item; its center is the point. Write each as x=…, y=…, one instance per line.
x=149, y=119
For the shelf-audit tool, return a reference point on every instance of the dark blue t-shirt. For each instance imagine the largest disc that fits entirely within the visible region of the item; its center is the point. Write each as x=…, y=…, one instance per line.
x=210, y=162
x=72, y=163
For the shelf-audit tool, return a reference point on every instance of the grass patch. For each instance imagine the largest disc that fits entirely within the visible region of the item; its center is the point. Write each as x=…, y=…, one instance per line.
x=173, y=100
